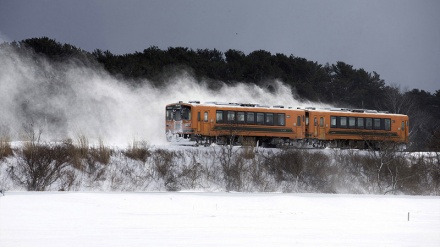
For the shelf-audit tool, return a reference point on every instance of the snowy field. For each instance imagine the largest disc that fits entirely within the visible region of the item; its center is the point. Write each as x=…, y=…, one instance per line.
x=216, y=219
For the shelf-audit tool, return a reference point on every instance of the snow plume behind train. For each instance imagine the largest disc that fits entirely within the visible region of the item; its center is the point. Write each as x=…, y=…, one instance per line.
x=71, y=99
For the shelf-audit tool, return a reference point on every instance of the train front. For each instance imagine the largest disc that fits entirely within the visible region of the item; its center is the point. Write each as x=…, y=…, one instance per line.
x=178, y=122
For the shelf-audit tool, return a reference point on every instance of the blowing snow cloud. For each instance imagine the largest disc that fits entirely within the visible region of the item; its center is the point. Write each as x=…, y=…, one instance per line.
x=69, y=99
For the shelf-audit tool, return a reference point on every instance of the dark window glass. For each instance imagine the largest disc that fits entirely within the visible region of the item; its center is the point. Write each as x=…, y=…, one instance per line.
x=298, y=121
x=219, y=116
x=281, y=119
x=369, y=123
x=186, y=113
x=343, y=122
x=250, y=118
x=333, y=121
x=360, y=123
x=351, y=122
x=376, y=124
x=321, y=122
x=240, y=117
x=269, y=119
x=231, y=116
x=169, y=114
x=260, y=118
x=387, y=124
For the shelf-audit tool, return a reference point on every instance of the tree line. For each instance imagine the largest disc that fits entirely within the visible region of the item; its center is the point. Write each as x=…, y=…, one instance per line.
x=338, y=84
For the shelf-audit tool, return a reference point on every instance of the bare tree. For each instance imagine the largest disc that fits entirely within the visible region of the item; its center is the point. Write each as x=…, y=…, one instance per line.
x=39, y=166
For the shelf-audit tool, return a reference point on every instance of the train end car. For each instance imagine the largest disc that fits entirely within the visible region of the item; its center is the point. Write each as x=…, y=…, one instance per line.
x=216, y=122
x=355, y=128
x=179, y=121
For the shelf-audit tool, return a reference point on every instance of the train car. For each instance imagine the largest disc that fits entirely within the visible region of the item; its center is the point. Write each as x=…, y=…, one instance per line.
x=355, y=128
x=237, y=123
x=223, y=123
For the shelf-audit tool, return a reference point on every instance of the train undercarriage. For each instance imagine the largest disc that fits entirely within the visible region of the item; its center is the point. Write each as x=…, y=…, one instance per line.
x=274, y=142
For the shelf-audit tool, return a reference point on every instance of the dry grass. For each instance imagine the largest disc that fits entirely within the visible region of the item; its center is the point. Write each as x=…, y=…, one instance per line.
x=138, y=151
x=101, y=153
x=5, y=148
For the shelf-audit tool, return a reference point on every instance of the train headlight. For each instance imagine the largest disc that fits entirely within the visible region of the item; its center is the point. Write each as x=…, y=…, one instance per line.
x=187, y=125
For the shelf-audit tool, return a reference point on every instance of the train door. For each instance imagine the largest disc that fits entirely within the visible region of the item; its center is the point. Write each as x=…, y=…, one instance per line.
x=308, y=130
x=315, y=127
x=299, y=127
x=199, y=122
x=206, y=123
x=321, y=128
x=404, y=131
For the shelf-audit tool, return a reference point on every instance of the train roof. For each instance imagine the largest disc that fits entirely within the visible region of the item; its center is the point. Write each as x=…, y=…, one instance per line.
x=234, y=104
x=349, y=110
x=256, y=105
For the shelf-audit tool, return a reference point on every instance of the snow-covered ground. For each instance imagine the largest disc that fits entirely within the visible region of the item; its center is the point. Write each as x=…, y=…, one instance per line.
x=216, y=219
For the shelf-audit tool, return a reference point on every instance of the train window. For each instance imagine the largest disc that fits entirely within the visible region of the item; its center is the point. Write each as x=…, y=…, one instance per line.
x=198, y=116
x=360, y=123
x=387, y=124
x=219, y=116
x=250, y=118
x=231, y=116
x=369, y=123
x=298, y=121
x=177, y=115
x=169, y=114
x=351, y=122
x=269, y=119
x=185, y=113
x=333, y=121
x=205, y=116
x=321, y=122
x=260, y=118
x=376, y=124
x=240, y=117
x=281, y=119
x=343, y=122
x=403, y=125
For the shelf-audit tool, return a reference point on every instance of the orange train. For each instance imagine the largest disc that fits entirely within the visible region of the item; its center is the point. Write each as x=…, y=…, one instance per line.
x=224, y=123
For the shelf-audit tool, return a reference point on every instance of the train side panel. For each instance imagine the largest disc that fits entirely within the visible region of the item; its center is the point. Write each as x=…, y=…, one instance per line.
x=218, y=120
x=357, y=126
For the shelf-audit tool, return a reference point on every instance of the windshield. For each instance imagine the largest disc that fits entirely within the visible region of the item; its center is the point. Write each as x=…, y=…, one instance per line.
x=178, y=112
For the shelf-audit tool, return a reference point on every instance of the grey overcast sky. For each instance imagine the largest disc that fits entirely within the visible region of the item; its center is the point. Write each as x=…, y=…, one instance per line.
x=399, y=39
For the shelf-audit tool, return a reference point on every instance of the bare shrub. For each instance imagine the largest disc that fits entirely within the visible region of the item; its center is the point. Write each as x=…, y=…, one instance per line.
x=68, y=180
x=39, y=166
x=426, y=167
x=165, y=168
x=212, y=172
x=248, y=148
x=138, y=151
x=137, y=175
x=288, y=165
x=232, y=166
x=258, y=177
x=319, y=174
x=301, y=170
x=191, y=174
x=388, y=170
